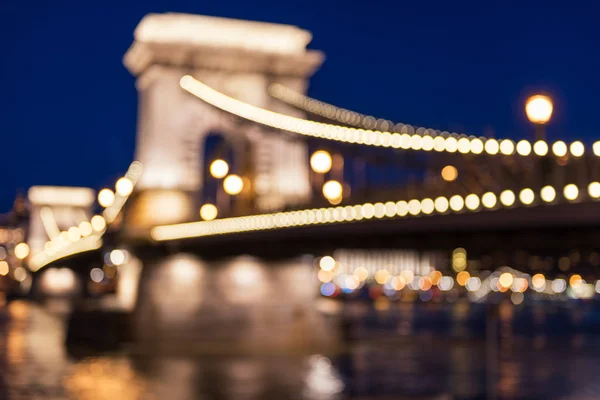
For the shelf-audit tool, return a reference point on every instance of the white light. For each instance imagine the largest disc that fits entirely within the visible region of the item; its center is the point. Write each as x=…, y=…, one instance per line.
x=219, y=169
x=489, y=200
x=540, y=148
x=327, y=263
x=491, y=146
x=524, y=148
x=332, y=190
x=548, y=194
x=559, y=148
x=472, y=202
x=507, y=147
x=117, y=257
x=571, y=192
x=507, y=198
x=106, y=198
x=577, y=149
x=527, y=196
x=124, y=187
x=539, y=109
x=559, y=285
x=456, y=203
x=441, y=204
x=427, y=206
x=594, y=190
x=208, y=212
x=476, y=146
x=97, y=275
x=98, y=223
x=85, y=228
x=21, y=251
x=596, y=148
x=233, y=185
x=321, y=162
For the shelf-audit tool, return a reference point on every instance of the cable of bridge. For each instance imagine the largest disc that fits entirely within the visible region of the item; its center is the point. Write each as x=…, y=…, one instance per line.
x=75, y=240
x=388, y=210
x=384, y=139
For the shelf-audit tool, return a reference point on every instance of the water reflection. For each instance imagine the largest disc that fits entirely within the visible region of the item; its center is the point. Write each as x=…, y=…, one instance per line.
x=243, y=328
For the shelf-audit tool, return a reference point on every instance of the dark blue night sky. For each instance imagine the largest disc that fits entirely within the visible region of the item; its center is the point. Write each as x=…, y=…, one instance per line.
x=68, y=106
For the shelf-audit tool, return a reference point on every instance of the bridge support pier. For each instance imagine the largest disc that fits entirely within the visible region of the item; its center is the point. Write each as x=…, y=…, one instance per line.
x=189, y=306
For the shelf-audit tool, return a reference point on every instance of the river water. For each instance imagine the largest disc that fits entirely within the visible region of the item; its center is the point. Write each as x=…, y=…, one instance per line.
x=384, y=350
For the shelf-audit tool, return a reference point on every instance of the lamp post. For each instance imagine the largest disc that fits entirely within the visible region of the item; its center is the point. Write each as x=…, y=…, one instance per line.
x=539, y=110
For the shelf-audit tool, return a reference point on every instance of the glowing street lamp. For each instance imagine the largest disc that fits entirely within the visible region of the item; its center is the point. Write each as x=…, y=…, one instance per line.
x=219, y=169
x=321, y=162
x=233, y=185
x=539, y=110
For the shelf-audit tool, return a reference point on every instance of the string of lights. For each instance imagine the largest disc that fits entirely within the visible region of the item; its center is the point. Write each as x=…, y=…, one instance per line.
x=367, y=137
x=87, y=236
x=366, y=211
x=349, y=117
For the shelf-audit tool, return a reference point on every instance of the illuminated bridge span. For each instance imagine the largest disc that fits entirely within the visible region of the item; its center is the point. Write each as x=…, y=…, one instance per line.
x=231, y=147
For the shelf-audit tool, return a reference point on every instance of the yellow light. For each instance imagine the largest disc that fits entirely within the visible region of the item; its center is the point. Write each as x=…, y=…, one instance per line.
x=4, y=268
x=124, y=187
x=575, y=281
x=507, y=198
x=596, y=148
x=233, y=185
x=539, y=109
x=98, y=223
x=21, y=251
x=524, y=148
x=449, y=173
x=462, y=278
x=491, y=146
x=540, y=148
x=208, y=212
x=74, y=234
x=594, y=190
x=577, y=149
x=456, y=203
x=327, y=263
x=398, y=282
x=85, y=228
x=507, y=147
x=332, y=190
x=571, y=192
x=538, y=281
x=548, y=194
x=361, y=273
x=435, y=277
x=559, y=148
x=219, y=169
x=489, y=200
x=117, y=257
x=321, y=162
x=441, y=204
x=325, y=276
x=106, y=198
x=382, y=276
x=526, y=196
x=472, y=202
x=506, y=280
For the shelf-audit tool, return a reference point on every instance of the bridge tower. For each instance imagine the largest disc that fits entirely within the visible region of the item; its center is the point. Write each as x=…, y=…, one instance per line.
x=241, y=59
